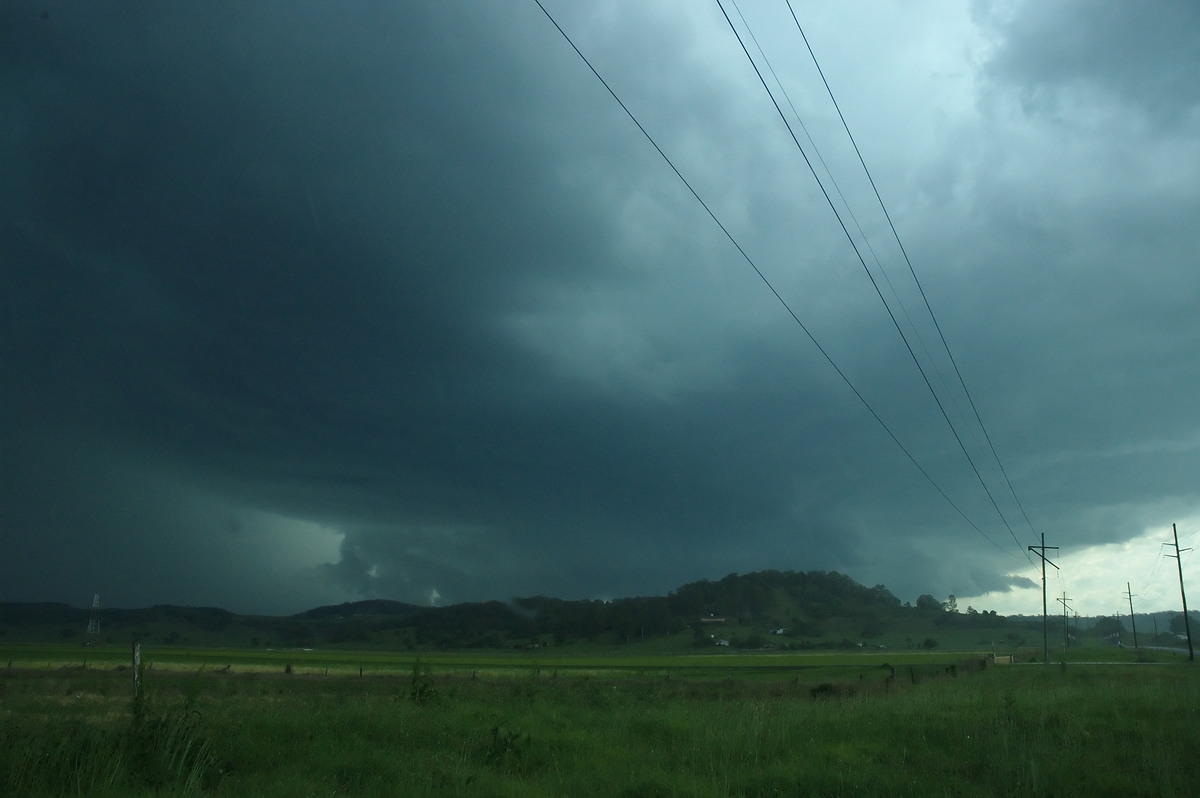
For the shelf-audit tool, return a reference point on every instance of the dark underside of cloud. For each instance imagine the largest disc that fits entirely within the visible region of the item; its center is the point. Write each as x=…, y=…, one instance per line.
x=403, y=280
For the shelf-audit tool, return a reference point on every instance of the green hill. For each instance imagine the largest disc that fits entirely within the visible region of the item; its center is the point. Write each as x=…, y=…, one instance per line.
x=766, y=609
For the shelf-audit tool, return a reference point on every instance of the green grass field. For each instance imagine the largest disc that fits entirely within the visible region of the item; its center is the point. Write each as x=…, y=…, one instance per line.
x=295, y=723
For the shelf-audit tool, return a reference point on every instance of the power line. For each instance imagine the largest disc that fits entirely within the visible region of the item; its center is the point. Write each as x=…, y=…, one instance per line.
x=911, y=269
x=1041, y=552
x=1158, y=560
x=849, y=210
x=1129, y=594
x=1065, y=601
x=763, y=277
x=1182, y=594
x=937, y=400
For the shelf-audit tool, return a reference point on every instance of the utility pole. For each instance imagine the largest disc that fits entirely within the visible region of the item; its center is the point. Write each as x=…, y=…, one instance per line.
x=93, y=628
x=1186, y=623
x=1041, y=552
x=1066, y=635
x=1132, y=619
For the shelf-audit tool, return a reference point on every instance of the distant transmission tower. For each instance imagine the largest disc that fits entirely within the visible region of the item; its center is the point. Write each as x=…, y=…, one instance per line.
x=93, y=630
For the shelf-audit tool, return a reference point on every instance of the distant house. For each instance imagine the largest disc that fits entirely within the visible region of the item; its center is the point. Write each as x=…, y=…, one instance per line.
x=723, y=643
x=712, y=619
x=778, y=631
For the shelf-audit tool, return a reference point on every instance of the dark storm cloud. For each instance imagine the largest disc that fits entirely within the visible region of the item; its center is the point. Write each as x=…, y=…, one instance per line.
x=1102, y=302
x=273, y=255
x=308, y=304
x=1141, y=56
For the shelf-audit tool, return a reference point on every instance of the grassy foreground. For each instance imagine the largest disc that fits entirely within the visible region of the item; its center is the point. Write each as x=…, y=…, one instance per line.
x=837, y=728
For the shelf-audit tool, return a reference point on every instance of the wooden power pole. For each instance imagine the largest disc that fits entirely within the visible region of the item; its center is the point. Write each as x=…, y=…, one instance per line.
x=1041, y=552
x=1066, y=628
x=1132, y=620
x=1186, y=623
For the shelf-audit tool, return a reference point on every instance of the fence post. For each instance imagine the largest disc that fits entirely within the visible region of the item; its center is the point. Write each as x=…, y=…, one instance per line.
x=137, y=678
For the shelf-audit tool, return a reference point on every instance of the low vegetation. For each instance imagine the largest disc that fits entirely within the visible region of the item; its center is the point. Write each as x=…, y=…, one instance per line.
x=769, y=684
x=738, y=725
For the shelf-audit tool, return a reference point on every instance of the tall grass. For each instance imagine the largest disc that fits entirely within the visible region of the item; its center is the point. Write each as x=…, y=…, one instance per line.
x=1019, y=730
x=54, y=746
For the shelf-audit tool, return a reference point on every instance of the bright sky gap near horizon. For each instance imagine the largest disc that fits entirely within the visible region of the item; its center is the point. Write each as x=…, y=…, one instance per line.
x=308, y=304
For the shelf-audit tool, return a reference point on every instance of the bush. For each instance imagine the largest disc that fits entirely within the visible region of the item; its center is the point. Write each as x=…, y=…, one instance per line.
x=420, y=688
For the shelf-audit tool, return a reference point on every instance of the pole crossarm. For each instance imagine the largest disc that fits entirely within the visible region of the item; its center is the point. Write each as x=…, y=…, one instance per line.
x=1187, y=626
x=1132, y=619
x=1066, y=628
x=1041, y=553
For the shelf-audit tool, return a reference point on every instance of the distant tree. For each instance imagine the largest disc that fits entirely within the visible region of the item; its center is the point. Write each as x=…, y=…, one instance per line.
x=1177, y=625
x=927, y=603
x=950, y=604
x=929, y=643
x=884, y=596
x=1108, y=626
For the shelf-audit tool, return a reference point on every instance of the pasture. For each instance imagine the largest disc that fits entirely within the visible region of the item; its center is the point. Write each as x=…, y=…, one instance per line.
x=538, y=723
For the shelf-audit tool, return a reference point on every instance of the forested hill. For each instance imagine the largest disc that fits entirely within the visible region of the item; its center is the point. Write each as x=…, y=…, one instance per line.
x=793, y=608
x=802, y=603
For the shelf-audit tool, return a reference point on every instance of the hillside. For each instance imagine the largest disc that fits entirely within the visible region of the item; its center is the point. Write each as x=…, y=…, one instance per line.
x=766, y=609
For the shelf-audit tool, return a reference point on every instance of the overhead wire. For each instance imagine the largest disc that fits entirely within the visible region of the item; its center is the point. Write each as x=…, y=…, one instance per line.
x=1159, y=557
x=907, y=344
x=849, y=209
x=746, y=257
x=1179, y=554
x=911, y=269
x=1158, y=560
x=1061, y=581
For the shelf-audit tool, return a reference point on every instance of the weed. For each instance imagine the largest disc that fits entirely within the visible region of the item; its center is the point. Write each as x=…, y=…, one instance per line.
x=505, y=749
x=170, y=750
x=167, y=748
x=420, y=687
x=165, y=751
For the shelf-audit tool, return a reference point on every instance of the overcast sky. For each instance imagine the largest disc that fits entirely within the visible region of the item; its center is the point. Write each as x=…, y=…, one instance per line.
x=308, y=302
